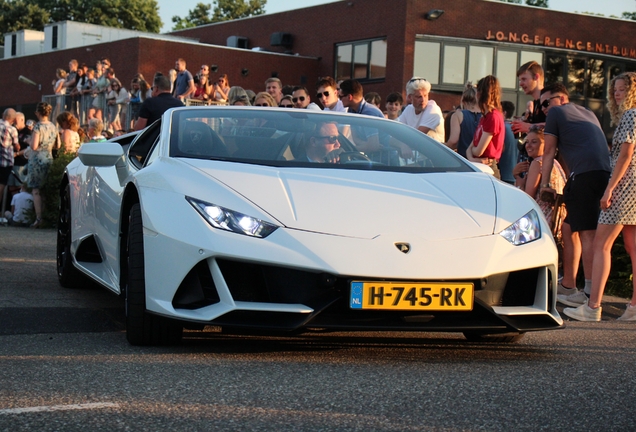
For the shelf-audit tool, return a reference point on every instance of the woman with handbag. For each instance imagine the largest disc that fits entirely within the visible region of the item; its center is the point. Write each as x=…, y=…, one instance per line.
x=43, y=141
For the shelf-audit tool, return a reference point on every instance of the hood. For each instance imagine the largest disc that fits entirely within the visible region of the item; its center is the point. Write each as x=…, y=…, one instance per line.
x=366, y=204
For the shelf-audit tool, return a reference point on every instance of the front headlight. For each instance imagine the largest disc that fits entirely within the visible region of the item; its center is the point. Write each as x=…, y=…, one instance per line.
x=525, y=230
x=229, y=220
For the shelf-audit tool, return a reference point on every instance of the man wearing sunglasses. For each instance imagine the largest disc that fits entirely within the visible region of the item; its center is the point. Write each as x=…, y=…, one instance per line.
x=323, y=145
x=301, y=99
x=577, y=133
x=327, y=94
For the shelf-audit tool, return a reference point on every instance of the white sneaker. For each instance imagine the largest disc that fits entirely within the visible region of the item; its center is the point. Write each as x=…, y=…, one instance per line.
x=629, y=315
x=565, y=291
x=574, y=300
x=584, y=313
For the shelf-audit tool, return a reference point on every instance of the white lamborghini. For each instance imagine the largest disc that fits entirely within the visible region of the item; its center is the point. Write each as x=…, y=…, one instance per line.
x=292, y=220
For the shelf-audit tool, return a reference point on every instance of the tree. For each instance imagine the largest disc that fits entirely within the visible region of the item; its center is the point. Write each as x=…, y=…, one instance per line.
x=200, y=15
x=538, y=3
x=629, y=15
x=139, y=15
x=19, y=15
x=224, y=10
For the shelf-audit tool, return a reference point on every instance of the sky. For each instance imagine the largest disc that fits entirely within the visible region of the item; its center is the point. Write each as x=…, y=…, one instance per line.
x=170, y=8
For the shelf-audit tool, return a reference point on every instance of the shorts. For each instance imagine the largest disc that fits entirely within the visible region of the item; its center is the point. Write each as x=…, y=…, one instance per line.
x=18, y=176
x=5, y=172
x=582, y=197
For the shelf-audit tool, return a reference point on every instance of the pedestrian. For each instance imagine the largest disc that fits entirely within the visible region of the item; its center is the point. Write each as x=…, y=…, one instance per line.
x=8, y=145
x=464, y=121
x=43, y=141
x=490, y=134
x=423, y=114
x=618, y=203
x=577, y=134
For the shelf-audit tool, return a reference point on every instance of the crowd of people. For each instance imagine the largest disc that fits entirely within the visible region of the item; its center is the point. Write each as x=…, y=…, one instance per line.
x=563, y=160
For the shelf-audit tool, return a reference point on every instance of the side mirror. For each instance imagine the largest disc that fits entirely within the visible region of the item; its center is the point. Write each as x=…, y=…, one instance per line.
x=102, y=154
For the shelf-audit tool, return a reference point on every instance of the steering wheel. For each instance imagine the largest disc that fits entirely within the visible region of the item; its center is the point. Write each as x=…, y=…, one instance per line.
x=353, y=156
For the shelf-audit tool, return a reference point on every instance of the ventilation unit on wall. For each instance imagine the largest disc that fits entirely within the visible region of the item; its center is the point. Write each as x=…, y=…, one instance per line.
x=281, y=39
x=237, y=42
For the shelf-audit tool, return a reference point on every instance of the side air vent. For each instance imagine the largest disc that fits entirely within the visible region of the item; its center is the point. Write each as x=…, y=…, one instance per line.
x=88, y=251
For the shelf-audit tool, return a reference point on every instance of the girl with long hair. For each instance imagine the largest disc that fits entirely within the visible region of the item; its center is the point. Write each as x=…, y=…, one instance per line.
x=489, y=137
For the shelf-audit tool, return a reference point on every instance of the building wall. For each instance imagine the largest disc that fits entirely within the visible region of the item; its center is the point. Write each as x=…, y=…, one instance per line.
x=147, y=56
x=316, y=30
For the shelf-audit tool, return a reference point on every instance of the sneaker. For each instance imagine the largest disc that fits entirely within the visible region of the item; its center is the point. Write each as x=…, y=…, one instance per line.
x=574, y=300
x=629, y=315
x=566, y=291
x=584, y=313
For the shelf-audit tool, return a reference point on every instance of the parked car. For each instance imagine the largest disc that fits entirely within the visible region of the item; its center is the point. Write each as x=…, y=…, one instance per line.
x=273, y=219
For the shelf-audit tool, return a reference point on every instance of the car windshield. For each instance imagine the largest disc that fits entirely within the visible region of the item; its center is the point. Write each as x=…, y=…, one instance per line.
x=293, y=138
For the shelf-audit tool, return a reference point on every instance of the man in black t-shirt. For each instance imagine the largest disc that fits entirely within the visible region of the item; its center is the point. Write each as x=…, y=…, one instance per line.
x=161, y=101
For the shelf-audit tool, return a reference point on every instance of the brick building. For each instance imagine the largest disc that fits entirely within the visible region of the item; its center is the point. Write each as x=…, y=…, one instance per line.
x=382, y=43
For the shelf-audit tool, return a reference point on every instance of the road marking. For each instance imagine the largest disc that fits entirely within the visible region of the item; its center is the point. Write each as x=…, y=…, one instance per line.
x=14, y=260
x=49, y=408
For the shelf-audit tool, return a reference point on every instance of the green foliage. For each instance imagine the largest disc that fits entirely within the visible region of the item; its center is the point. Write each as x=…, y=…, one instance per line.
x=20, y=15
x=224, y=10
x=198, y=16
x=537, y=3
x=629, y=15
x=142, y=15
x=50, y=191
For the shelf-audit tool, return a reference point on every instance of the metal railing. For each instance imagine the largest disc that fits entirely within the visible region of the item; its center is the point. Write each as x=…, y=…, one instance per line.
x=85, y=107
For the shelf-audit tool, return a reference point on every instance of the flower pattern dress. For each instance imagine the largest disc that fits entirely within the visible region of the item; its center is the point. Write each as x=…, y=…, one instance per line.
x=622, y=209
x=557, y=180
x=41, y=159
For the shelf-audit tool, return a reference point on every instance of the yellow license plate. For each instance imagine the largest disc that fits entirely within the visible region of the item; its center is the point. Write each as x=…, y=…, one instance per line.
x=438, y=296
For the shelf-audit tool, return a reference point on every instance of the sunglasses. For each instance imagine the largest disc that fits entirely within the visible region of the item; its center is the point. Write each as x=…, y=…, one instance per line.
x=331, y=139
x=416, y=79
x=546, y=103
x=262, y=104
x=325, y=94
x=286, y=105
x=299, y=98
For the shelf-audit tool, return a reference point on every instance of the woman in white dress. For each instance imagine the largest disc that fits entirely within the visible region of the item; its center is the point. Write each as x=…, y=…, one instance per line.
x=618, y=204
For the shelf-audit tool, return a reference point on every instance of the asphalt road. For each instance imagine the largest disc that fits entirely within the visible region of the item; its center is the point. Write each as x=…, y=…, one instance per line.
x=65, y=365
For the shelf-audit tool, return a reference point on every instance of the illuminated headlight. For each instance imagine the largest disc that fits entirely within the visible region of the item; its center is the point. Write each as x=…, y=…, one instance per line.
x=229, y=220
x=524, y=230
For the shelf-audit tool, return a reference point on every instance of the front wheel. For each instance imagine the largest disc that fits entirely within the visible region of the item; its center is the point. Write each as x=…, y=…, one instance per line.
x=143, y=328
x=67, y=274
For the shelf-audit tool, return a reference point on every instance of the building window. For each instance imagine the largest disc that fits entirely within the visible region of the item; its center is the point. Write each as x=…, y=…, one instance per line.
x=54, y=41
x=480, y=61
x=507, y=69
x=454, y=65
x=426, y=62
x=14, y=44
x=361, y=60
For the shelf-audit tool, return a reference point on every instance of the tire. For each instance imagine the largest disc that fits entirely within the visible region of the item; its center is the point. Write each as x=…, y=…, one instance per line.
x=67, y=274
x=497, y=338
x=143, y=328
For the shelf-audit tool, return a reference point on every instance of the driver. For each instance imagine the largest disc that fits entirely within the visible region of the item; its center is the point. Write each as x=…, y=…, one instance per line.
x=323, y=145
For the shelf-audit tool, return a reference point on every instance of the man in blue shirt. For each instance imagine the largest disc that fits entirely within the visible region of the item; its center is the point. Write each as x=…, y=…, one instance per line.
x=184, y=86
